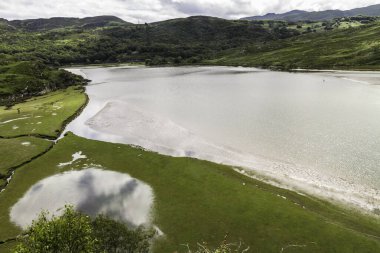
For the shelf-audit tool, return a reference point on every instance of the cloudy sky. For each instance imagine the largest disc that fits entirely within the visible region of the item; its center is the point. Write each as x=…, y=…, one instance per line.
x=155, y=10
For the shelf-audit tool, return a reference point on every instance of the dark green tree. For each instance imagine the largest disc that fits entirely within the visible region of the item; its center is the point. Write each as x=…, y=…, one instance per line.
x=74, y=232
x=113, y=237
x=70, y=233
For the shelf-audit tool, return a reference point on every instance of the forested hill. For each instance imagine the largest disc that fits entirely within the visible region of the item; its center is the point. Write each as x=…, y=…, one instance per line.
x=299, y=15
x=59, y=22
x=76, y=41
x=107, y=39
x=355, y=48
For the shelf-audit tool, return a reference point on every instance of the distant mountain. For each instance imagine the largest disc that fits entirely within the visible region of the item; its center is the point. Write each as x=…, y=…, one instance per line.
x=59, y=22
x=298, y=15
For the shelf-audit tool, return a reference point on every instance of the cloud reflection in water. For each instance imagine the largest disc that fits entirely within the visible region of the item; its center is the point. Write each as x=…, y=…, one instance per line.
x=92, y=191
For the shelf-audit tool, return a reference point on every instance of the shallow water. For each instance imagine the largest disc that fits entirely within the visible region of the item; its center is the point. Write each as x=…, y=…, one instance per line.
x=318, y=132
x=92, y=191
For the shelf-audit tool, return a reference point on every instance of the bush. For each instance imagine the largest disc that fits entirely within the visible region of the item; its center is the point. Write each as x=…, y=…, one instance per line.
x=74, y=232
x=113, y=236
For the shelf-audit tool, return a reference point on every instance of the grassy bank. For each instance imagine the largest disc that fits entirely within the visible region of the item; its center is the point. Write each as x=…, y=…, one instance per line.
x=201, y=201
x=18, y=151
x=41, y=116
x=22, y=124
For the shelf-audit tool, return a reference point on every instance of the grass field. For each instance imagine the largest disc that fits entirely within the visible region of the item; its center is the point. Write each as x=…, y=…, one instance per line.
x=14, y=152
x=199, y=201
x=41, y=116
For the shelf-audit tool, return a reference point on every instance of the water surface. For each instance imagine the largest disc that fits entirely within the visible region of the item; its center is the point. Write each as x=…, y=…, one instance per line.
x=91, y=191
x=319, y=132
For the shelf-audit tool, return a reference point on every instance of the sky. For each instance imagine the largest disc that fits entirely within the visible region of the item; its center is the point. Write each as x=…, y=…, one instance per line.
x=140, y=11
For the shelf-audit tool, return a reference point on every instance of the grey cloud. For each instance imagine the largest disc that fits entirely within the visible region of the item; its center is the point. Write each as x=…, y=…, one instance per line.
x=188, y=8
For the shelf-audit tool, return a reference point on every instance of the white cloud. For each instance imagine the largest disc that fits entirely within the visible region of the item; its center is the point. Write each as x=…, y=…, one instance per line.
x=154, y=10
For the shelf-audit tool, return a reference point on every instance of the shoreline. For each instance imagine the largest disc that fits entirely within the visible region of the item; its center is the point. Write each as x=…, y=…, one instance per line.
x=51, y=138
x=205, y=64
x=328, y=192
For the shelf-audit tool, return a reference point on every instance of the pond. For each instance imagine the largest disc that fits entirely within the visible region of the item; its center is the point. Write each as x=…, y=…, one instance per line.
x=92, y=191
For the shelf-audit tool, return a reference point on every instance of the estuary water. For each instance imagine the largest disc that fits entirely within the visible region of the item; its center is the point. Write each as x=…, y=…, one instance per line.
x=317, y=133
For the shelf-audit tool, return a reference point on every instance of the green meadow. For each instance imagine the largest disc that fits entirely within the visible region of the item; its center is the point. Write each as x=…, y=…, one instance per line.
x=41, y=116
x=17, y=151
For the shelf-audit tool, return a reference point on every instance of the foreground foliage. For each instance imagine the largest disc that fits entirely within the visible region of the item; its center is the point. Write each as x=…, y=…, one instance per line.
x=74, y=232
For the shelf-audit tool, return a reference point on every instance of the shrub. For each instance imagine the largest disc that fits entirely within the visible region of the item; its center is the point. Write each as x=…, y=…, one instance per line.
x=74, y=232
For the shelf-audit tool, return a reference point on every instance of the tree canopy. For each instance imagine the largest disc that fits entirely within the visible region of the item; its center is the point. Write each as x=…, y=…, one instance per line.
x=74, y=232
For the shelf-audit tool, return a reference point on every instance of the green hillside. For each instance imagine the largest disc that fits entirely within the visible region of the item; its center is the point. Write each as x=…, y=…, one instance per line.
x=352, y=48
x=54, y=23
x=63, y=41
x=23, y=79
x=123, y=42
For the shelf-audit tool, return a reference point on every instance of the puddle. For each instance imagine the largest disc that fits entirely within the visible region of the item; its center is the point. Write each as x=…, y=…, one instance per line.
x=91, y=191
x=76, y=156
